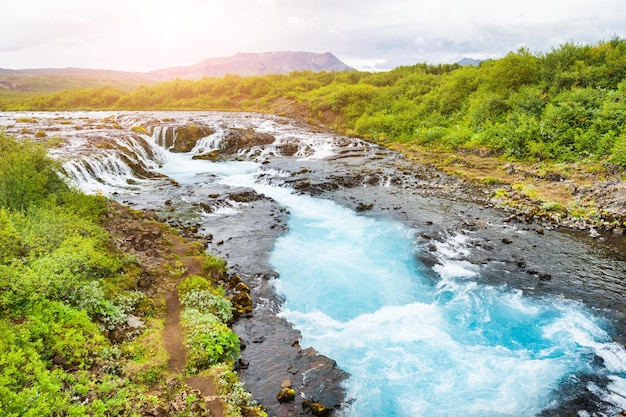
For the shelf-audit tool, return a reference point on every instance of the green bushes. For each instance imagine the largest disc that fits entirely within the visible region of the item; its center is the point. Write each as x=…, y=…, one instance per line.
x=65, y=299
x=206, y=301
x=27, y=175
x=208, y=339
x=58, y=294
x=214, y=266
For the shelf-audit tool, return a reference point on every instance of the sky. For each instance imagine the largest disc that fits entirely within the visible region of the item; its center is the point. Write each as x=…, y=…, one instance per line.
x=145, y=35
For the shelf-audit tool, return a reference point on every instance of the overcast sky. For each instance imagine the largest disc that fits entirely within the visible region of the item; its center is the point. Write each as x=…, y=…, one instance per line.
x=144, y=35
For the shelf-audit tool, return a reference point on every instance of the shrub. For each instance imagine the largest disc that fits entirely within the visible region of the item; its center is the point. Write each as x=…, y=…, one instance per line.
x=237, y=401
x=193, y=283
x=215, y=266
x=10, y=242
x=208, y=340
x=27, y=388
x=27, y=175
x=490, y=181
x=619, y=152
x=207, y=302
x=551, y=206
x=55, y=327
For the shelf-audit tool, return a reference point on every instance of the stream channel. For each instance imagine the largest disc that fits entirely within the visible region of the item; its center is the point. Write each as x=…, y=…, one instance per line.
x=410, y=280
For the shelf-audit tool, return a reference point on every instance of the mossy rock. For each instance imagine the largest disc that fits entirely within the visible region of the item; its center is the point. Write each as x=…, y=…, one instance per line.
x=286, y=395
x=317, y=408
x=241, y=299
x=188, y=136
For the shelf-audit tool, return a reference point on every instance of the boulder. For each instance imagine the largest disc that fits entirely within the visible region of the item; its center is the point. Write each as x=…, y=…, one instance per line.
x=316, y=408
x=286, y=395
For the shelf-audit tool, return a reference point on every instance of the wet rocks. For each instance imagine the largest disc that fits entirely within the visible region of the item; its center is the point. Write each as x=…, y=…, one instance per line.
x=316, y=408
x=245, y=196
x=241, y=299
x=188, y=136
x=286, y=395
x=313, y=378
x=288, y=149
x=364, y=207
x=237, y=141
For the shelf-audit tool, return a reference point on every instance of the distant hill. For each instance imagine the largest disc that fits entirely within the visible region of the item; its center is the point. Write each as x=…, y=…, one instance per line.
x=244, y=64
x=46, y=80
x=256, y=64
x=470, y=62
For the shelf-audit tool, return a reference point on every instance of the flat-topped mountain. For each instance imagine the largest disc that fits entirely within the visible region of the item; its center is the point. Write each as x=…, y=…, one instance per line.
x=247, y=64
x=244, y=64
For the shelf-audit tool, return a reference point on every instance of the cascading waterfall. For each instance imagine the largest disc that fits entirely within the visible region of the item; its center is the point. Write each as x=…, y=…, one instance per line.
x=164, y=136
x=112, y=170
x=95, y=173
x=151, y=157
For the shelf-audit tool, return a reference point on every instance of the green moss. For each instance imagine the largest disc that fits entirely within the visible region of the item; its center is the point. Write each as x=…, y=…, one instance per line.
x=490, y=181
x=139, y=129
x=551, y=206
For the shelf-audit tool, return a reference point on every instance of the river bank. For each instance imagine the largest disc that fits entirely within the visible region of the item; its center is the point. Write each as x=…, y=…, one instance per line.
x=579, y=196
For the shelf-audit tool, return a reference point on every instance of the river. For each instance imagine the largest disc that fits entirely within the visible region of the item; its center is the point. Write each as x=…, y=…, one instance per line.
x=405, y=284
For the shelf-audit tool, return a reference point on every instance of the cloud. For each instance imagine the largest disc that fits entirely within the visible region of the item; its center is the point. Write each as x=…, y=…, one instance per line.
x=151, y=34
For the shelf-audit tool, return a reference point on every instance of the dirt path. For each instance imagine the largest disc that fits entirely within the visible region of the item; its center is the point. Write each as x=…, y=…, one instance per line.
x=153, y=245
x=173, y=331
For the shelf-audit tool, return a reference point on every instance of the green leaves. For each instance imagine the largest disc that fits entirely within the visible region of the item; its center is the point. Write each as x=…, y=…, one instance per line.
x=27, y=175
x=10, y=241
x=208, y=340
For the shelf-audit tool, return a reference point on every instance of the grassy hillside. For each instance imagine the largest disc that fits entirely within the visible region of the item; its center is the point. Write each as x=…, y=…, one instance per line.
x=82, y=321
x=22, y=85
x=568, y=104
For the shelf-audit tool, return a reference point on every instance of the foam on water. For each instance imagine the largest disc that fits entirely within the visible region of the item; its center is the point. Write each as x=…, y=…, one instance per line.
x=186, y=170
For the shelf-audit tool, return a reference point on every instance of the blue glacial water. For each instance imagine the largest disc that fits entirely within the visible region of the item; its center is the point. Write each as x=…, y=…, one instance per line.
x=420, y=342
x=424, y=344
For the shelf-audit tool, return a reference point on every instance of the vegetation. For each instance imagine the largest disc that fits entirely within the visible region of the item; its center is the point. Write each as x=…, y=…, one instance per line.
x=564, y=105
x=67, y=295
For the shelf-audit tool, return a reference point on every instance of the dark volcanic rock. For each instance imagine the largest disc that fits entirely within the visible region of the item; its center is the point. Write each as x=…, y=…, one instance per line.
x=312, y=376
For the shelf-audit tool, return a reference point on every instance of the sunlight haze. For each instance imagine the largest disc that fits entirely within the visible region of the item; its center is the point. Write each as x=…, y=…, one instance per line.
x=142, y=35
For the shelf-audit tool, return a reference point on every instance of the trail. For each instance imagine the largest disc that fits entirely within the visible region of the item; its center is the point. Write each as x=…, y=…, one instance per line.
x=173, y=331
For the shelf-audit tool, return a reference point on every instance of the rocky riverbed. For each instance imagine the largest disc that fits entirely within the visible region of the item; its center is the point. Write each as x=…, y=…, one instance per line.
x=453, y=219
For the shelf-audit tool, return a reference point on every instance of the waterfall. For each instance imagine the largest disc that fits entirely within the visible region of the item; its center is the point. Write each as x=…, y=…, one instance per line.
x=113, y=164
x=164, y=136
